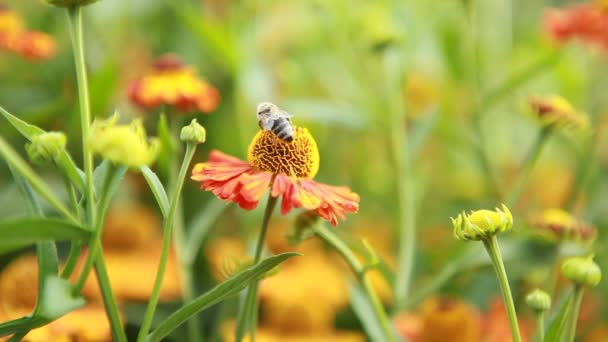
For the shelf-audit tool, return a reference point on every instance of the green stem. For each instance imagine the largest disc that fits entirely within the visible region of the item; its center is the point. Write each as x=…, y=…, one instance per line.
x=245, y=320
x=118, y=333
x=540, y=326
x=528, y=165
x=332, y=239
x=491, y=246
x=574, y=310
x=76, y=34
x=72, y=260
x=168, y=224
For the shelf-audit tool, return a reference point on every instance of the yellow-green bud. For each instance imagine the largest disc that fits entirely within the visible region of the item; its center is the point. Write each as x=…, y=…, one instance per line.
x=194, y=133
x=46, y=147
x=582, y=271
x=482, y=224
x=538, y=300
x=123, y=144
x=69, y=3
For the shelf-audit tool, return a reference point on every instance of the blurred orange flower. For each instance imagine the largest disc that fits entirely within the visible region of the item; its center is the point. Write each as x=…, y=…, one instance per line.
x=14, y=37
x=286, y=168
x=132, y=243
x=18, y=293
x=587, y=22
x=172, y=83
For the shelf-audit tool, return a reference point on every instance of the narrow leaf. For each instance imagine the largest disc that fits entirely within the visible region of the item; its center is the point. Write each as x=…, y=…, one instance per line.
x=157, y=189
x=20, y=324
x=363, y=309
x=26, y=231
x=558, y=325
x=27, y=130
x=200, y=226
x=217, y=294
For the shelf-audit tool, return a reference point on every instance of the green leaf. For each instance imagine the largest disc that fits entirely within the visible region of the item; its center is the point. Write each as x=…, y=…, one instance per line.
x=217, y=294
x=22, y=232
x=64, y=160
x=57, y=300
x=558, y=325
x=200, y=226
x=157, y=189
x=20, y=324
x=363, y=309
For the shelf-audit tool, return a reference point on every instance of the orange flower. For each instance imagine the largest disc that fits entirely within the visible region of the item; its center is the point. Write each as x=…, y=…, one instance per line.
x=32, y=45
x=172, y=83
x=587, y=22
x=286, y=168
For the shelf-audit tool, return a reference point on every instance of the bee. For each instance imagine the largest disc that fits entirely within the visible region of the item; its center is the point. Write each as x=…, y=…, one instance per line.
x=272, y=118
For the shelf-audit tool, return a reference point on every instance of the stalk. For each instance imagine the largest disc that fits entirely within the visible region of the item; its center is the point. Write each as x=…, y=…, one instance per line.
x=540, y=326
x=574, y=310
x=118, y=333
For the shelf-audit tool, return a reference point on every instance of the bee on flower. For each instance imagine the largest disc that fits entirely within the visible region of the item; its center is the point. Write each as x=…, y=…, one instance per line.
x=172, y=83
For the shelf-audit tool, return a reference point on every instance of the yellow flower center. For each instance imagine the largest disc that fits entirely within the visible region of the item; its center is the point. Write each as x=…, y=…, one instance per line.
x=485, y=219
x=300, y=158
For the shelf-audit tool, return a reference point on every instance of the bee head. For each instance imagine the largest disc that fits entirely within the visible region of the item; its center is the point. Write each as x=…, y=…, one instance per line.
x=266, y=108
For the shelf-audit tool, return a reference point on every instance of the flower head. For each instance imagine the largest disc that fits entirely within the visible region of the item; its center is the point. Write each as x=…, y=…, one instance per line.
x=538, y=300
x=582, y=271
x=558, y=225
x=287, y=168
x=585, y=22
x=194, y=133
x=14, y=37
x=123, y=144
x=46, y=146
x=482, y=224
x=175, y=84
x=556, y=110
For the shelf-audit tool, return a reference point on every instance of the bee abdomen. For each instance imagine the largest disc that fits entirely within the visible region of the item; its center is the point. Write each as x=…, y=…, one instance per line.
x=283, y=129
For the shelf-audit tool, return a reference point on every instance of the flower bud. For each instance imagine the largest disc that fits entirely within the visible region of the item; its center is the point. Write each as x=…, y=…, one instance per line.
x=46, y=147
x=482, y=224
x=123, y=144
x=69, y=3
x=538, y=300
x=556, y=225
x=582, y=271
x=556, y=110
x=194, y=133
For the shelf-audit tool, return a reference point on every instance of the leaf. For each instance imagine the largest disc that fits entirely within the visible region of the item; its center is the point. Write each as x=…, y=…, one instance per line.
x=57, y=299
x=157, y=189
x=558, y=324
x=365, y=312
x=20, y=324
x=217, y=294
x=200, y=226
x=22, y=232
x=64, y=160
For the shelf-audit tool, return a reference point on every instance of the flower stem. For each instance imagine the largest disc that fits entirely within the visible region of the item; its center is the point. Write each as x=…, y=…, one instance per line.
x=528, y=165
x=491, y=246
x=246, y=319
x=574, y=310
x=540, y=326
x=118, y=333
x=72, y=260
x=332, y=239
x=168, y=224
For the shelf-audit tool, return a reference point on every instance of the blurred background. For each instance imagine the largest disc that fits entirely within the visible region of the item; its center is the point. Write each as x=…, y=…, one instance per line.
x=437, y=83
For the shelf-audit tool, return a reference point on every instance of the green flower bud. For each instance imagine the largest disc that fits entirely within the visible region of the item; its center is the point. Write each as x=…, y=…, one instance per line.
x=194, y=133
x=538, y=300
x=582, y=271
x=123, y=144
x=69, y=3
x=46, y=147
x=482, y=224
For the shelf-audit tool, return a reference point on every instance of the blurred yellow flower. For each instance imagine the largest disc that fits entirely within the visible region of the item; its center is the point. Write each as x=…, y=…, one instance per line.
x=556, y=110
x=18, y=293
x=558, y=225
x=224, y=254
x=132, y=243
x=269, y=334
x=172, y=83
x=123, y=144
x=421, y=95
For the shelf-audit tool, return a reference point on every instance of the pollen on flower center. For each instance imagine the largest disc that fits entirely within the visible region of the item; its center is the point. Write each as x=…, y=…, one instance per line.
x=300, y=158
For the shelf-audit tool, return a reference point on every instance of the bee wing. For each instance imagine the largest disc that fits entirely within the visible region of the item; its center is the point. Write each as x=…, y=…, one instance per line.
x=284, y=114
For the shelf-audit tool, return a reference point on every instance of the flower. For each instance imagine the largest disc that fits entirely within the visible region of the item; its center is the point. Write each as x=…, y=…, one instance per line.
x=172, y=83
x=538, y=300
x=18, y=292
x=269, y=334
x=482, y=224
x=449, y=319
x=587, y=22
x=123, y=144
x=582, y=271
x=194, y=133
x=421, y=95
x=14, y=37
x=558, y=225
x=132, y=244
x=46, y=146
x=286, y=168
x=556, y=110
